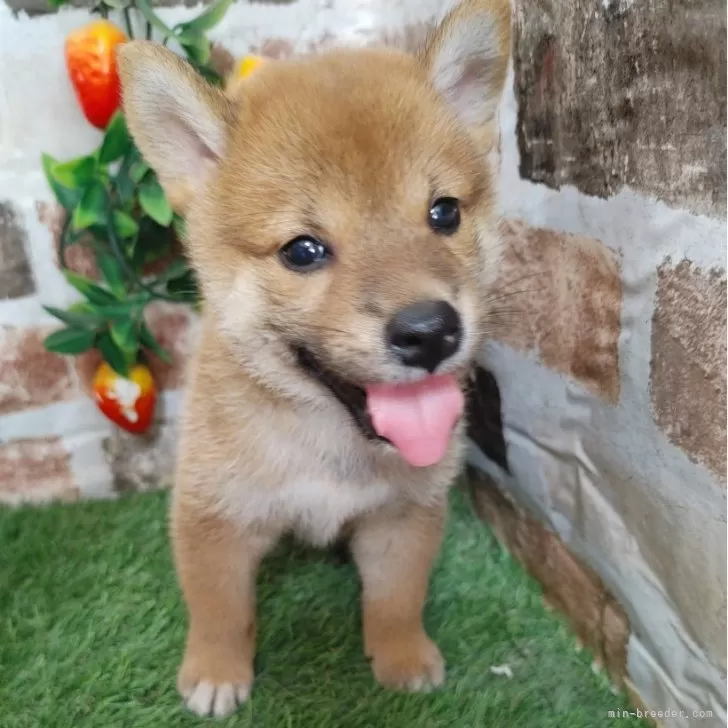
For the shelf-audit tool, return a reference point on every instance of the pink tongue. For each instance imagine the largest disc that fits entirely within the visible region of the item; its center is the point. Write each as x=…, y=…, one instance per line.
x=417, y=417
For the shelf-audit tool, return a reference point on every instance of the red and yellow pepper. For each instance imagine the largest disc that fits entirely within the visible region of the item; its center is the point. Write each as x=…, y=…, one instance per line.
x=128, y=402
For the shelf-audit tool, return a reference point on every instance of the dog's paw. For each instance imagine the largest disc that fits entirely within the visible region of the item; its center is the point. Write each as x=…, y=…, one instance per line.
x=218, y=701
x=413, y=666
x=215, y=692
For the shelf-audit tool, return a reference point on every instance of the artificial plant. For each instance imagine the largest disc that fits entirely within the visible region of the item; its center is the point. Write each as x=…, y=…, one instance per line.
x=115, y=207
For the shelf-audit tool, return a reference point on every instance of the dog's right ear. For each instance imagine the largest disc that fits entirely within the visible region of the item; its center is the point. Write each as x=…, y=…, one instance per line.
x=178, y=121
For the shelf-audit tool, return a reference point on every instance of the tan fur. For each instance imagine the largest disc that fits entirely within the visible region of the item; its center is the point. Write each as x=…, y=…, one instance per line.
x=351, y=146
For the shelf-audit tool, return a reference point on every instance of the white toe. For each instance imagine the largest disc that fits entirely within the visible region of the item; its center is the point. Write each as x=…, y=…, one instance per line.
x=242, y=693
x=225, y=700
x=201, y=698
x=207, y=699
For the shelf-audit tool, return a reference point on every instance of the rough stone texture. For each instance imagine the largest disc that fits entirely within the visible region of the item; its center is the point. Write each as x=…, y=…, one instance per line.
x=34, y=471
x=86, y=365
x=485, y=421
x=621, y=93
x=221, y=60
x=679, y=539
x=636, y=700
x=40, y=7
x=16, y=278
x=615, y=632
x=561, y=296
x=79, y=258
x=172, y=325
x=569, y=585
x=277, y=48
x=30, y=376
x=142, y=462
x=410, y=38
x=688, y=367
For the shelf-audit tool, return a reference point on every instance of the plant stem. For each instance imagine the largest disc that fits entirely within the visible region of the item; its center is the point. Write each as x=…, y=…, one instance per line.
x=127, y=22
x=135, y=280
x=148, y=33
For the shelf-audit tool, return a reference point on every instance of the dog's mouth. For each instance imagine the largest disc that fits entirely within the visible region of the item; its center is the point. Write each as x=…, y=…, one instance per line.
x=351, y=396
x=417, y=418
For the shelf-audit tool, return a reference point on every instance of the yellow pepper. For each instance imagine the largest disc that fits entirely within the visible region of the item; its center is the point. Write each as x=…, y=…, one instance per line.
x=247, y=65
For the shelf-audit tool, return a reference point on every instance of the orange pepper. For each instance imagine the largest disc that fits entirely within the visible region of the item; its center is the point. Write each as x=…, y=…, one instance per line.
x=91, y=64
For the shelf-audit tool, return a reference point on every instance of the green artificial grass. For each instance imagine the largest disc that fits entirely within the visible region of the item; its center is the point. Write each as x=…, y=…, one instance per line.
x=92, y=628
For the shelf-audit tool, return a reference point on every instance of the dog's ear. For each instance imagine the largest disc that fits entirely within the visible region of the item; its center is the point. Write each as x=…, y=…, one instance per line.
x=179, y=121
x=466, y=58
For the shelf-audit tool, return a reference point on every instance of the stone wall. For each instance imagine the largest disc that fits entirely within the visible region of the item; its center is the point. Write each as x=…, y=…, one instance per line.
x=600, y=453
x=598, y=425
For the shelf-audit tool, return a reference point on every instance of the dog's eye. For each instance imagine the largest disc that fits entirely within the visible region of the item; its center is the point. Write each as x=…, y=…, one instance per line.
x=444, y=215
x=304, y=254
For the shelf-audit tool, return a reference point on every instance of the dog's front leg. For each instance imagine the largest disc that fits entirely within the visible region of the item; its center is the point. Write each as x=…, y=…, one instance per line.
x=216, y=565
x=394, y=554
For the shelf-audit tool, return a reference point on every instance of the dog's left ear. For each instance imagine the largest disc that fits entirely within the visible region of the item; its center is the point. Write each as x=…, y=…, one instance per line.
x=466, y=58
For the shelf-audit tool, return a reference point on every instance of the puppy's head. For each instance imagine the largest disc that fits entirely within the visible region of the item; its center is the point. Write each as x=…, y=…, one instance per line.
x=340, y=212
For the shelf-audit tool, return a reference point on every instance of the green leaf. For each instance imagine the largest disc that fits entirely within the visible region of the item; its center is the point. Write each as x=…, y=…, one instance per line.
x=103, y=313
x=75, y=318
x=117, y=4
x=180, y=228
x=196, y=45
x=92, y=210
x=128, y=309
x=176, y=269
x=124, y=184
x=89, y=289
x=119, y=310
x=139, y=170
x=70, y=341
x=113, y=273
x=149, y=341
x=208, y=19
x=124, y=181
x=153, y=201
x=125, y=335
x=83, y=307
x=125, y=226
x=153, y=19
x=68, y=197
x=116, y=139
x=55, y=4
x=79, y=172
x=113, y=355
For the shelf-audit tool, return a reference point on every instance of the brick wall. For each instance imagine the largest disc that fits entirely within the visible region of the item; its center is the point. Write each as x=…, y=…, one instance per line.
x=598, y=427
x=607, y=431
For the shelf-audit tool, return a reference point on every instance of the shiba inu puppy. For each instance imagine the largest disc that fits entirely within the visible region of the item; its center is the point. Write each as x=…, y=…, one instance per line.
x=341, y=217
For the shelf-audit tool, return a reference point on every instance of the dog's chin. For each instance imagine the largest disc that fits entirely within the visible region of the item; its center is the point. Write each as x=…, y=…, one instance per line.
x=351, y=396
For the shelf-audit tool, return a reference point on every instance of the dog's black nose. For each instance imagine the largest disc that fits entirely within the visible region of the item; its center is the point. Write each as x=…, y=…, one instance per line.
x=424, y=334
